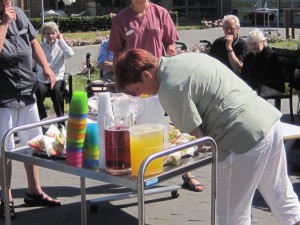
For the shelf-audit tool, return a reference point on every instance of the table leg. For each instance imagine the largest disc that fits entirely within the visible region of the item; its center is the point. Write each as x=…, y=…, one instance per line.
x=83, y=201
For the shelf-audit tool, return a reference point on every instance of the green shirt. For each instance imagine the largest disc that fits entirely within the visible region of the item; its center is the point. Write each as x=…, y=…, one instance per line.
x=196, y=89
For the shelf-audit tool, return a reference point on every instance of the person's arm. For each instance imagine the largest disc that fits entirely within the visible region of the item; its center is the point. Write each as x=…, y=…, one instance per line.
x=170, y=50
x=234, y=61
x=197, y=133
x=40, y=58
x=67, y=50
x=106, y=66
x=6, y=18
x=170, y=34
x=3, y=30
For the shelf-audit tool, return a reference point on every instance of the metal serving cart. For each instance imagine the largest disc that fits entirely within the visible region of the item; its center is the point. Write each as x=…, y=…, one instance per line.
x=140, y=186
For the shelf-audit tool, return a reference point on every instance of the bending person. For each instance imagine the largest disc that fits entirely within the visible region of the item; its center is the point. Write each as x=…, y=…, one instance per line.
x=18, y=46
x=211, y=100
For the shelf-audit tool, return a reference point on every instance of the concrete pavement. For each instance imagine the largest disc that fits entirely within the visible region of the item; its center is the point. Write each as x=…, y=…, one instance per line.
x=189, y=208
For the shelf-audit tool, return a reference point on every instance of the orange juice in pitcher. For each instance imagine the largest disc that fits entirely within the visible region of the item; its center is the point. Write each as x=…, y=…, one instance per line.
x=145, y=140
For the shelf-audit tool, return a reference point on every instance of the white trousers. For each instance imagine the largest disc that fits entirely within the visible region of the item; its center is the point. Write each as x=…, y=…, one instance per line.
x=264, y=168
x=13, y=117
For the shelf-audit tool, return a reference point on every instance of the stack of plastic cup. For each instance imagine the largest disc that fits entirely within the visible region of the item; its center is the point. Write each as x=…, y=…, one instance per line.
x=91, y=148
x=76, y=128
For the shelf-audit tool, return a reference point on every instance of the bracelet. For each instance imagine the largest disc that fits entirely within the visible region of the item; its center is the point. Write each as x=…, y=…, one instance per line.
x=230, y=50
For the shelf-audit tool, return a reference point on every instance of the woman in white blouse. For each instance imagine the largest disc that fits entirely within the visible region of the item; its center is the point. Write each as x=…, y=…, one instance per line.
x=56, y=51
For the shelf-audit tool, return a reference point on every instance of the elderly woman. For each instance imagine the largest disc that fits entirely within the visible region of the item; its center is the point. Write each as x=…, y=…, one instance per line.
x=261, y=63
x=56, y=51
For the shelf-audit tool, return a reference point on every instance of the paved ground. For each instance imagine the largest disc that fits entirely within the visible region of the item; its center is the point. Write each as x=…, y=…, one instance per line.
x=190, y=208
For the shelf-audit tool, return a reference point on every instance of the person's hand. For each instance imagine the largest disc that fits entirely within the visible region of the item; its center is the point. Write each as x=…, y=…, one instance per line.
x=170, y=50
x=229, y=41
x=48, y=74
x=8, y=15
x=106, y=66
x=60, y=36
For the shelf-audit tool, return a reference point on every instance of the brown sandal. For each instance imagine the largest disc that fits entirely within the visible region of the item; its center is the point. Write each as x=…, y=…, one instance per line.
x=188, y=184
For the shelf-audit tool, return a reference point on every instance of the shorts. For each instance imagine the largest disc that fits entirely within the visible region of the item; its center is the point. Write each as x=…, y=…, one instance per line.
x=14, y=117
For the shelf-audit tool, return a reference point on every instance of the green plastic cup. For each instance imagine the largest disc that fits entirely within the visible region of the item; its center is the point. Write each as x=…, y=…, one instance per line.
x=79, y=102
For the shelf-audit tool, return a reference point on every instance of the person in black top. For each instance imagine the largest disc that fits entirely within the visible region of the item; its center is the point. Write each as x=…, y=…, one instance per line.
x=230, y=48
x=18, y=46
x=261, y=63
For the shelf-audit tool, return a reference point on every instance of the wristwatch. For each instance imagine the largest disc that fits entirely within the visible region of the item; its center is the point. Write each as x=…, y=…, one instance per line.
x=230, y=50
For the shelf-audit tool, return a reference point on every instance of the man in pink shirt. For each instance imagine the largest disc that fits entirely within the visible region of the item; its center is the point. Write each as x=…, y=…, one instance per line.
x=143, y=25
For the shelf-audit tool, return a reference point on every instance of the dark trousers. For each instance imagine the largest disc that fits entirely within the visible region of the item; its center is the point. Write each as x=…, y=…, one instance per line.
x=56, y=95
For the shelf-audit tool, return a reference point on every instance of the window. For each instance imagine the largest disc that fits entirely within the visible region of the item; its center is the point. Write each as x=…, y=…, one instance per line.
x=179, y=3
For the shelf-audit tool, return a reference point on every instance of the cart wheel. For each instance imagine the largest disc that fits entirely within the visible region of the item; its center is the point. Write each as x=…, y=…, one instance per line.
x=93, y=208
x=174, y=194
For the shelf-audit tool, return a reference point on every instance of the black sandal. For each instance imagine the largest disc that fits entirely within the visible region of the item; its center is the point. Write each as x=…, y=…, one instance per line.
x=11, y=208
x=187, y=183
x=41, y=199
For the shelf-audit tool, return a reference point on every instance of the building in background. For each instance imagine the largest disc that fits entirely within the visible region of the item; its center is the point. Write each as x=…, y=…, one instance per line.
x=189, y=11
x=246, y=10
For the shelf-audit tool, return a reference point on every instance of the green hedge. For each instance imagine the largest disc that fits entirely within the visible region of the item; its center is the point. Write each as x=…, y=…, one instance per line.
x=84, y=23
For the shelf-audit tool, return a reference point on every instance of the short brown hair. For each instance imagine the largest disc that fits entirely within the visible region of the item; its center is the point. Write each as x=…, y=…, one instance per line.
x=131, y=65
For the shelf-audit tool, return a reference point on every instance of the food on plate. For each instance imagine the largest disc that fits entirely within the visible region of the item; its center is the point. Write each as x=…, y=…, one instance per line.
x=53, y=131
x=178, y=138
x=59, y=144
x=43, y=143
x=53, y=143
x=173, y=134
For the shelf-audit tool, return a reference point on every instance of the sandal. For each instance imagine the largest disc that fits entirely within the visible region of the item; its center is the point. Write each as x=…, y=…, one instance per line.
x=11, y=208
x=188, y=184
x=41, y=199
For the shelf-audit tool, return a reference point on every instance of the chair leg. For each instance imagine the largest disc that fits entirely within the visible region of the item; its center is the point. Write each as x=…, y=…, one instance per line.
x=278, y=103
x=298, y=105
x=291, y=110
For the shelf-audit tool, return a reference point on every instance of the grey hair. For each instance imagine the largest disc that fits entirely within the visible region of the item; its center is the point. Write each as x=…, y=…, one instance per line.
x=49, y=25
x=232, y=17
x=256, y=36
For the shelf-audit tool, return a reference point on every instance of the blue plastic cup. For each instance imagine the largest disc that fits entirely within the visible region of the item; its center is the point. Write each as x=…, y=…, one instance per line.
x=91, y=135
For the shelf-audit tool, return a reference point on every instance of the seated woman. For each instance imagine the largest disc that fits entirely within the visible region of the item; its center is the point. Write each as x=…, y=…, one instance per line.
x=56, y=51
x=260, y=63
